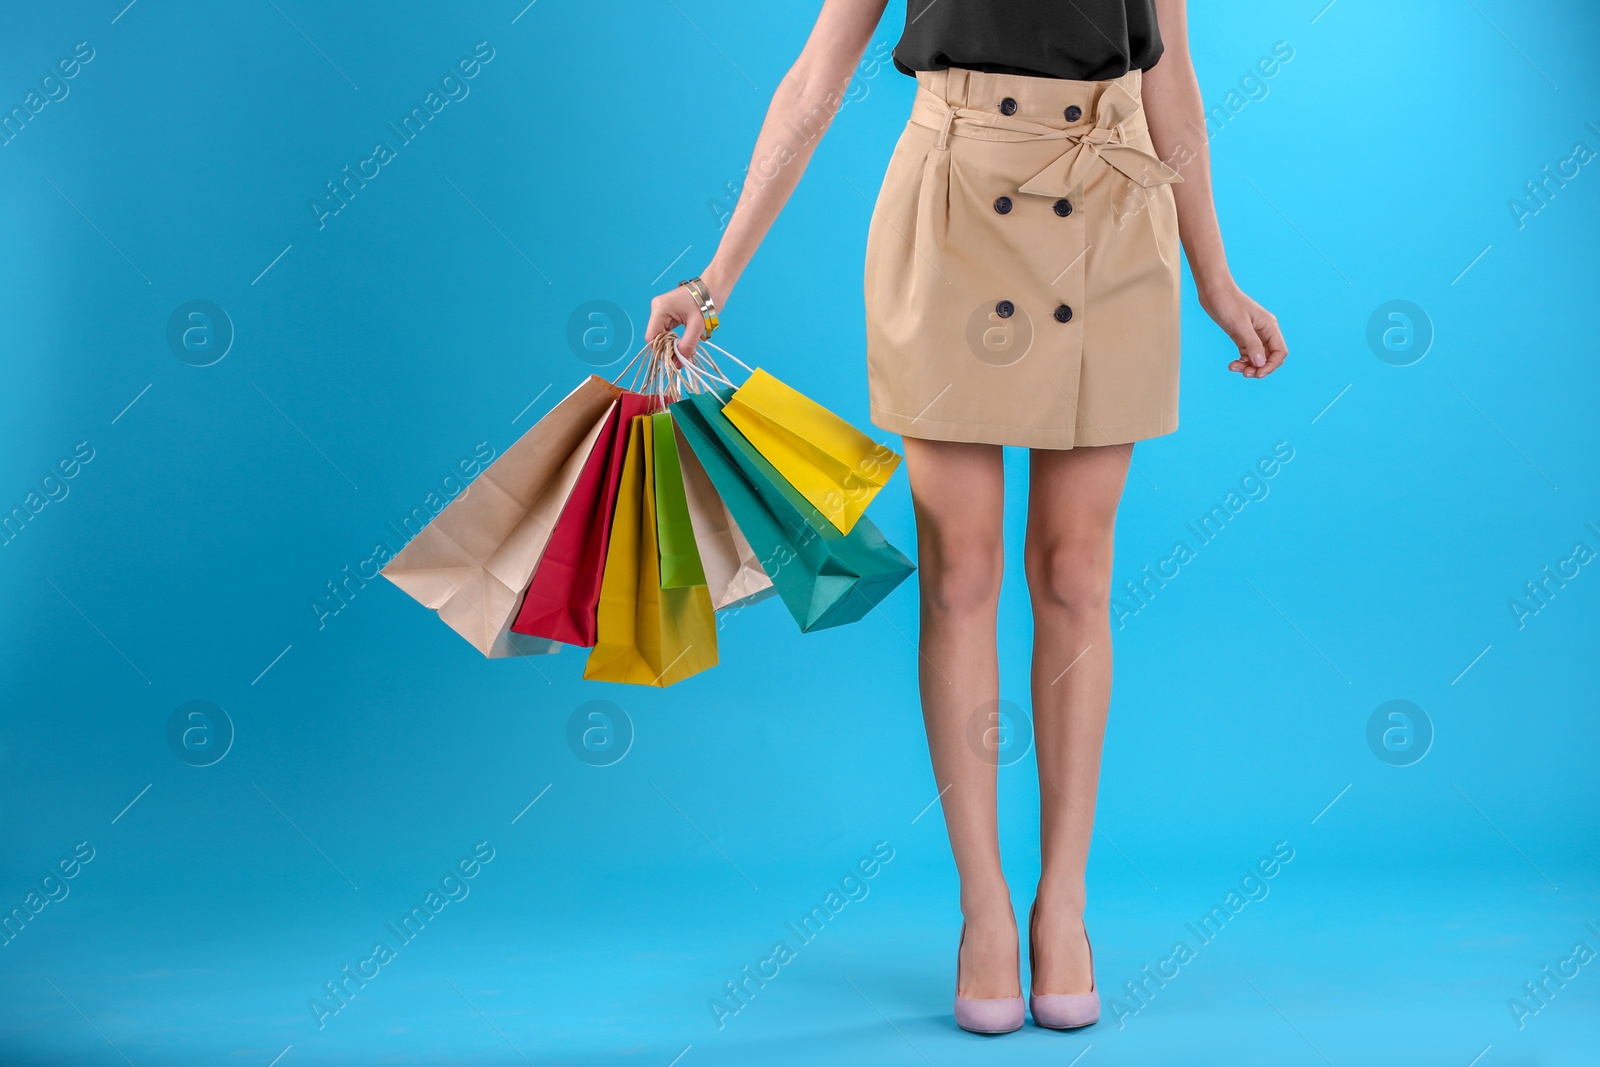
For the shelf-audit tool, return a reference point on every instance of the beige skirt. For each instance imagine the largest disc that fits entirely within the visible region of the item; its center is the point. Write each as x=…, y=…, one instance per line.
x=1022, y=271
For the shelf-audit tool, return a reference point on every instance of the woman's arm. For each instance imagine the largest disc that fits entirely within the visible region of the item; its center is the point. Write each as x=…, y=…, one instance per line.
x=1177, y=129
x=806, y=99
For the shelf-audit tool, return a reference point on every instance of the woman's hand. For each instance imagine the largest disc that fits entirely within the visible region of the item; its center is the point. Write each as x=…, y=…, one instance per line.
x=676, y=308
x=1253, y=328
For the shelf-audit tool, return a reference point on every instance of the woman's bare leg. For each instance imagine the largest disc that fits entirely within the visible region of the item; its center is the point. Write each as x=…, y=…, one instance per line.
x=1072, y=510
x=958, y=491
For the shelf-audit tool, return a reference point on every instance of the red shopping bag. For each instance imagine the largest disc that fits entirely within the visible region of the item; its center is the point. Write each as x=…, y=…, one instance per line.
x=564, y=594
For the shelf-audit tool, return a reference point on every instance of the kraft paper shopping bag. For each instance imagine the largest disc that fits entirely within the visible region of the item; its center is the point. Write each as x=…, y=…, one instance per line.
x=562, y=596
x=733, y=573
x=473, y=561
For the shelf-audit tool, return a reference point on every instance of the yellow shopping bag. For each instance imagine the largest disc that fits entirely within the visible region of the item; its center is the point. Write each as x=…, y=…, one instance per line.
x=833, y=465
x=646, y=635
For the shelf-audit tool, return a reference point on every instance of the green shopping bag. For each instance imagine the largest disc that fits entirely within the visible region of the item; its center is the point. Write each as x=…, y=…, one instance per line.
x=824, y=577
x=680, y=558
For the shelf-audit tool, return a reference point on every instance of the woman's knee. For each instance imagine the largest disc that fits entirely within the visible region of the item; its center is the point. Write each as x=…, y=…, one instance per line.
x=963, y=579
x=1071, y=575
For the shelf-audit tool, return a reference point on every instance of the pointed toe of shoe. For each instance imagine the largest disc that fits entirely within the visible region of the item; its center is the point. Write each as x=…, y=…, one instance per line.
x=1065, y=1011
x=997, y=1015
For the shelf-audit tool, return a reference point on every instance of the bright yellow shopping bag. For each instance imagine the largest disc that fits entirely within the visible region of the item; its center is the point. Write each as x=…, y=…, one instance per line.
x=833, y=465
x=646, y=635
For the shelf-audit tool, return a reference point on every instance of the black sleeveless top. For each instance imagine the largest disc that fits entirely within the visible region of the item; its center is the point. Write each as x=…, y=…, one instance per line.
x=1083, y=40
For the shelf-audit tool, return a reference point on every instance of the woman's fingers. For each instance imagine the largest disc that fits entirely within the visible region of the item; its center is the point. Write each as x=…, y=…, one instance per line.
x=1272, y=338
x=693, y=330
x=1251, y=348
x=1260, y=342
x=1252, y=353
x=669, y=311
x=662, y=318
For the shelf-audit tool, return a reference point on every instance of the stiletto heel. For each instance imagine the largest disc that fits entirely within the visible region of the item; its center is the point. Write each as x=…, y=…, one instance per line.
x=1062, y=1011
x=985, y=1015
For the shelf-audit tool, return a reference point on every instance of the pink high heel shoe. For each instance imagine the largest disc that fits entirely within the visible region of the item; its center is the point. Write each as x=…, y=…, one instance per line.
x=985, y=1015
x=1063, y=1011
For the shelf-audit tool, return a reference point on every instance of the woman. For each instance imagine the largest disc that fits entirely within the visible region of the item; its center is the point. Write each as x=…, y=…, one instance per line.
x=1022, y=288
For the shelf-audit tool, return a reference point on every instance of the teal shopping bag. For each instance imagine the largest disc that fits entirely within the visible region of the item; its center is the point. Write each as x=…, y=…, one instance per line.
x=824, y=577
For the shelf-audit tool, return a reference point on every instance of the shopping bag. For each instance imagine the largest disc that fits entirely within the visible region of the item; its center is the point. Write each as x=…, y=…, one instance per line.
x=825, y=577
x=733, y=572
x=680, y=559
x=836, y=467
x=647, y=635
x=565, y=587
x=473, y=560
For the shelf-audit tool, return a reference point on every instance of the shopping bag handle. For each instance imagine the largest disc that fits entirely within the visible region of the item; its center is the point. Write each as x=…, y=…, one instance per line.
x=665, y=375
x=706, y=342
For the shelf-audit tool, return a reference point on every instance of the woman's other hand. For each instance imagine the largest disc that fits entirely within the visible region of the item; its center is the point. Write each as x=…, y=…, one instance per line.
x=1253, y=328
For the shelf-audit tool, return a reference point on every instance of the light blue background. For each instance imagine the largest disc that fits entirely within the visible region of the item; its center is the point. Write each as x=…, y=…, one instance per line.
x=373, y=752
